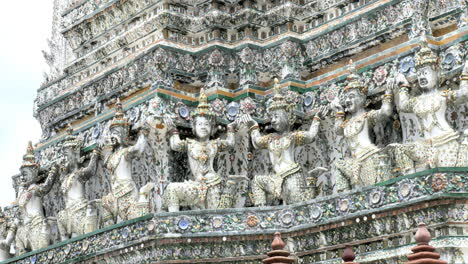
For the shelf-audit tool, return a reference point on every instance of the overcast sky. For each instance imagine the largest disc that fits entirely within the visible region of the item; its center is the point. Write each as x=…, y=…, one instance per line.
x=24, y=29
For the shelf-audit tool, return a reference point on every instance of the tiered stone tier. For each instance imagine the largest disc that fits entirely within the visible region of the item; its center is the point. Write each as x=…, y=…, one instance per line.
x=124, y=47
x=378, y=221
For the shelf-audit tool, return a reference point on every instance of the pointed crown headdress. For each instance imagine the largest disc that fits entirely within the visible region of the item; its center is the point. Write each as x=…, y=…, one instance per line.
x=71, y=141
x=28, y=159
x=203, y=108
x=354, y=81
x=425, y=56
x=120, y=120
x=278, y=100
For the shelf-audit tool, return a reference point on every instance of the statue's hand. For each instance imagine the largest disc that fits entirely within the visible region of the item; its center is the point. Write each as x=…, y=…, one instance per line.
x=323, y=111
x=233, y=125
x=465, y=68
x=96, y=150
x=391, y=85
x=147, y=188
x=144, y=131
x=336, y=105
x=4, y=244
x=401, y=81
x=169, y=121
x=248, y=121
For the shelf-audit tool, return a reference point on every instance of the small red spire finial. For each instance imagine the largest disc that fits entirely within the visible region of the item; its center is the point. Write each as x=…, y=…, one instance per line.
x=278, y=243
x=348, y=254
x=422, y=235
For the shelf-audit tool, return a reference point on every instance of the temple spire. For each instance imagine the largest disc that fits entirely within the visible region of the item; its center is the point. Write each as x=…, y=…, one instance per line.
x=424, y=253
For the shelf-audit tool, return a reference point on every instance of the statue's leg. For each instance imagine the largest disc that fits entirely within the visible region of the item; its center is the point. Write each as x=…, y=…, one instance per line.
x=128, y=207
x=342, y=175
x=41, y=237
x=294, y=189
x=91, y=219
x=80, y=221
x=261, y=186
x=108, y=205
x=463, y=151
x=446, y=155
x=62, y=220
x=213, y=197
x=20, y=241
x=410, y=156
x=180, y=194
x=171, y=197
x=374, y=169
x=403, y=162
x=228, y=197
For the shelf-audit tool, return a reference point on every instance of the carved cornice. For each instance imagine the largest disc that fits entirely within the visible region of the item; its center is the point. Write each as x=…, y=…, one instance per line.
x=131, y=78
x=384, y=213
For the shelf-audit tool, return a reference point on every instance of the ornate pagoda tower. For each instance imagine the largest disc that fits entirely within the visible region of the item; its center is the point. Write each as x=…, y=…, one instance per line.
x=147, y=59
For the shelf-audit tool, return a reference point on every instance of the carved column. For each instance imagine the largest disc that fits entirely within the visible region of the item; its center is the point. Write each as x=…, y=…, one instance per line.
x=278, y=255
x=424, y=253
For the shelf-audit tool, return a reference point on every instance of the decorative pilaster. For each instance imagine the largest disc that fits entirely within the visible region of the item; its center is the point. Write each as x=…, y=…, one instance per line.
x=419, y=20
x=424, y=253
x=278, y=255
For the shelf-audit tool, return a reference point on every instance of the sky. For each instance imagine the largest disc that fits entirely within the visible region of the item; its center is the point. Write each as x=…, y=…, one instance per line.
x=24, y=29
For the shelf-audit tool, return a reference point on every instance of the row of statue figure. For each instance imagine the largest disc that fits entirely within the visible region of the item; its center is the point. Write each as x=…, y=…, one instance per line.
x=207, y=189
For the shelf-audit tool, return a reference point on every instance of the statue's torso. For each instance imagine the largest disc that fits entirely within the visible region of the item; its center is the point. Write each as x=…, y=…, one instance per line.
x=356, y=132
x=72, y=187
x=201, y=156
x=119, y=165
x=30, y=202
x=281, y=149
x=430, y=110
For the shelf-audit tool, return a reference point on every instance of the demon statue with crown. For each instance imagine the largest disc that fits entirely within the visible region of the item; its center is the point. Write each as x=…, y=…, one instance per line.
x=367, y=164
x=287, y=182
x=206, y=189
x=33, y=229
x=125, y=201
x=79, y=215
x=440, y=146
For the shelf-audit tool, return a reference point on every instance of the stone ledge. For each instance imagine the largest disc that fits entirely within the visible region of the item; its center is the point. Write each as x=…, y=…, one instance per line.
x=435, y=189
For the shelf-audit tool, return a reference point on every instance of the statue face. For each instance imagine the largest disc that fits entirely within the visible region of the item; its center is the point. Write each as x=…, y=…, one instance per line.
x=279, y=120
x=202, y=127
x=354, y=101
x=117, y=135
x=427, y=78
x=28, y=176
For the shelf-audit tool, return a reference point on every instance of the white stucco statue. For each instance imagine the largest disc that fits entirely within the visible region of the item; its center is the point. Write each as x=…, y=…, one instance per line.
x=8, y=226
x=33, y=230
x=368, y=164
x=79, y=215
x=125, y=201
x=207, y=189
x=287, y=182
x=440, y=146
